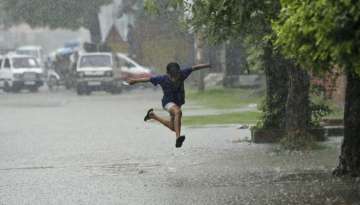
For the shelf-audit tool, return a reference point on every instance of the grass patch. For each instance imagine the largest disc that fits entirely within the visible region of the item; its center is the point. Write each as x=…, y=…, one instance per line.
x=225, y=98
x=337, y=112
x=250, y=117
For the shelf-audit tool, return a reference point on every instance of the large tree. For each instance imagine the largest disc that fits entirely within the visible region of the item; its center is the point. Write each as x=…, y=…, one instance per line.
x=321, y=35
x=69, y=14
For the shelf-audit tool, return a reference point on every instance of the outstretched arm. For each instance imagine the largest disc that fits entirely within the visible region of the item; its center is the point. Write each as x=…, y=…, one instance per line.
x=200, y=66
x=138, y=80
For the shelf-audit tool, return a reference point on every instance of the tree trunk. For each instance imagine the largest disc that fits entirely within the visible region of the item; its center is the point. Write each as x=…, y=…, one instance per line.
x=276, y=90
x=236, y=63
x=222, y=57
x=199, y=58
x=298, y=114
x=93, y=25
x=349, y=160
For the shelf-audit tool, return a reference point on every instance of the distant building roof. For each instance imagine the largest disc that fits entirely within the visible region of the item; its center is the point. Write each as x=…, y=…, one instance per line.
x=108, y=17
x=114, y=35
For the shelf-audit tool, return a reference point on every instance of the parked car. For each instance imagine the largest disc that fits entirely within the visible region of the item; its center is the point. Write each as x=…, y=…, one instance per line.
x=95, y=71
x=19, y=72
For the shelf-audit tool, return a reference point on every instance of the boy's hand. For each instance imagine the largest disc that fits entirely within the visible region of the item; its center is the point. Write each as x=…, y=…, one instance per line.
x=138, y=80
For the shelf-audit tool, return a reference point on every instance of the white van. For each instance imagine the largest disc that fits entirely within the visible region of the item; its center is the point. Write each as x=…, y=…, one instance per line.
x=95, y=71
x=19, y=72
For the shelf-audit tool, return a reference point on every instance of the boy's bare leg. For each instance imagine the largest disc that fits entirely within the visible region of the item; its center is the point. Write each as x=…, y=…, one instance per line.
x=167, y=123
x=176, y=112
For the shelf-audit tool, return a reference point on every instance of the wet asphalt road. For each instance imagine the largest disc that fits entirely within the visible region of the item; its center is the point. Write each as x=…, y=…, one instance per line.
x=58, y=148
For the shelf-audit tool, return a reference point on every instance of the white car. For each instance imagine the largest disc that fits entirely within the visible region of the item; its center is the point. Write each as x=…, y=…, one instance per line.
x=19, y=72
x=130, y=69
x=95, y=71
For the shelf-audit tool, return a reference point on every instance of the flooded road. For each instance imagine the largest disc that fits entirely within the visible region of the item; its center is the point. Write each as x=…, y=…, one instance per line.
x=58, y=148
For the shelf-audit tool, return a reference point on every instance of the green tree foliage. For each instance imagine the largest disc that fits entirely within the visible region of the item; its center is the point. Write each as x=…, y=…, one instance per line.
x=254, y=56
x=222, y=20
x=70, y=14
x=320, y=34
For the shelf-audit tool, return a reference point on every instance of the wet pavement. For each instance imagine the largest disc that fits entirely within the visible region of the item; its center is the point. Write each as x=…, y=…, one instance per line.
x=58, y=148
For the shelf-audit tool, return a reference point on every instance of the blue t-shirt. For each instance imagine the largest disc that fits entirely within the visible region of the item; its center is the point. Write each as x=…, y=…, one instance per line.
x=173, y=92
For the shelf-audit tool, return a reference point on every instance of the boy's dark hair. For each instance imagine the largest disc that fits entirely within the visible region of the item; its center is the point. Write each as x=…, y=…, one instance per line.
x=173, y=69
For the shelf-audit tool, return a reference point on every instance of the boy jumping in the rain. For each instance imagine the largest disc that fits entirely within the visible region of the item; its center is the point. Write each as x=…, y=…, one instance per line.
x=172, y=85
